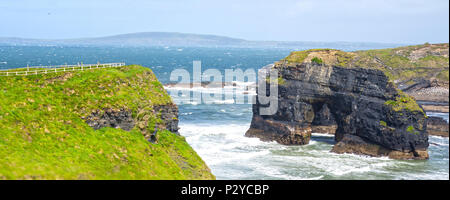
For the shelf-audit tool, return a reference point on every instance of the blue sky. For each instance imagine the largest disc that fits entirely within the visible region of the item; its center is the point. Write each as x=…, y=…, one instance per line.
x=392, y=21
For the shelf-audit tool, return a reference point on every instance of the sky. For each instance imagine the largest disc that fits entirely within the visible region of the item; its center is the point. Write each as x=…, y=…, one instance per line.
x=388, y=21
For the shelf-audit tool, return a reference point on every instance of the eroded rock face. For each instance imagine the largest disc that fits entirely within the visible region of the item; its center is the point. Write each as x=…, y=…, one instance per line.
x=356, y=98
x=111, y=118
x=148, y=121
x=169, y=116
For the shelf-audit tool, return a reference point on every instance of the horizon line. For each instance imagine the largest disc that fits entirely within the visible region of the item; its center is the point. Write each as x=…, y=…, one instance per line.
x=206, y=34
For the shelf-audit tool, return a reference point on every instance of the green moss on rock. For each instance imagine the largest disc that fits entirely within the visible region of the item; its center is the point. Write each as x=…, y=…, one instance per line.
x=279, y=80
x=404, y=102
x=412, y=130
x=317, y=60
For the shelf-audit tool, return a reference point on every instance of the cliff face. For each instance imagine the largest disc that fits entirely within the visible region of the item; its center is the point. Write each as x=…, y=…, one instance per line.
x=372, y=116
x=162, y=117
x=324, y=123
x=113, y=123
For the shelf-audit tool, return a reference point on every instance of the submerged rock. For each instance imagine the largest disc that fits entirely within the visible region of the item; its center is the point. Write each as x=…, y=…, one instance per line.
x=372, y=116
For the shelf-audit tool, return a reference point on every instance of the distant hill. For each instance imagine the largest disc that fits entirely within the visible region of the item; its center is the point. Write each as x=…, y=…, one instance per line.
x=184, y=39
x=159, y=39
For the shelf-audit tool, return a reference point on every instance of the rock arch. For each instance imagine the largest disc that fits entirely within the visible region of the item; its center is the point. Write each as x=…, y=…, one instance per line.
x=324, y=121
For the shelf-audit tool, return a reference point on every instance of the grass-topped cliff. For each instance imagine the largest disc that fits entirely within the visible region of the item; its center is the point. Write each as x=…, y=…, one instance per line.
x=44, y=134
x=403, y=64
x=425, y=67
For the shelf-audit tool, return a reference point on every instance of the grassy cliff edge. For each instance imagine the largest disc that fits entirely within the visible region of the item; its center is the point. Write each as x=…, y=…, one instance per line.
x=43, y=134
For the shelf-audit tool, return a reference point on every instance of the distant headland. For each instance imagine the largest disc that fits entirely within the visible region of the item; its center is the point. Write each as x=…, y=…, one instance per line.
x=149, y=39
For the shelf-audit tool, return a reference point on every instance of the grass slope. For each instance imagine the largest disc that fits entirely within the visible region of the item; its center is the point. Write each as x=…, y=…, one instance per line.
x=43, y=136
x=402, y=64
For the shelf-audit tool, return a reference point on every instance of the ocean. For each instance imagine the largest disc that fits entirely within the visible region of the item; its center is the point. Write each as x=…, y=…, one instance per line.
x=216, y=131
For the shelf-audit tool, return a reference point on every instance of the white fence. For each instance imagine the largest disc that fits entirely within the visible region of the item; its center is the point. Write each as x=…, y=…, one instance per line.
x=54, y=69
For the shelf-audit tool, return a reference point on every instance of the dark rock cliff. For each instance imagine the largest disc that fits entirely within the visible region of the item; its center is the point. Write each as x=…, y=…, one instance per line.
x=163, y=117
x=324, y=123
x=111, y=118
x=372, y=116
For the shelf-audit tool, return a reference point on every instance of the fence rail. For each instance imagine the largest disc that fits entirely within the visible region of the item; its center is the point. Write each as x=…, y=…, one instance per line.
x=54, y=69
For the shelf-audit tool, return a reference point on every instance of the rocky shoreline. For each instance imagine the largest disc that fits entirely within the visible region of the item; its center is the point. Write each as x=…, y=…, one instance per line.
x=435, y=108
x=435, y=126
x=432, y=95
x=324, y=123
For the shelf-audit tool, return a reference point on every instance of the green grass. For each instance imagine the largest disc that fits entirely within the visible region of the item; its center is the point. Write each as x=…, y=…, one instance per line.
x=402, y=63
x=404, y=102
x=322, y=56
x=444, y=75
x=298, y=56
x=43, y=136
x=317, y=60
x=340, y=57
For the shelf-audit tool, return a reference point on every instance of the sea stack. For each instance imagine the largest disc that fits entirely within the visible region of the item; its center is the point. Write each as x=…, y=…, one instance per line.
x=373, y=117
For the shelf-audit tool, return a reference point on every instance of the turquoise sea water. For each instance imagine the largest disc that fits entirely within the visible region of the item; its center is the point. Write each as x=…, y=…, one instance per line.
x=216, y=131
